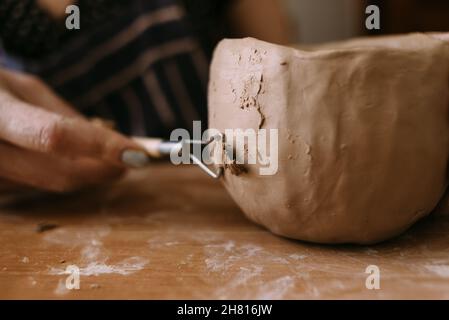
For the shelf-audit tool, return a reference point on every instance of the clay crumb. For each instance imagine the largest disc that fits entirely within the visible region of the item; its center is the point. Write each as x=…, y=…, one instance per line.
x=95, y=286
x=230, y=162
x=44, y=226
x=262, y=117
x=235, y=168
x=62, y=261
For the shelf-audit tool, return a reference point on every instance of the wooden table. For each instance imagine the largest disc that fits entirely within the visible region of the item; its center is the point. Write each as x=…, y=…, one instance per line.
x=174, y=233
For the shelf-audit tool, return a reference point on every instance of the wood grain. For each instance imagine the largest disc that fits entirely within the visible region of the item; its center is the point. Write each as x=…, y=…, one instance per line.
x=173, y=233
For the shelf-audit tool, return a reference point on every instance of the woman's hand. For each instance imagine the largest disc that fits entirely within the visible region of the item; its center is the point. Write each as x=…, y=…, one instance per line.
x=46, y=144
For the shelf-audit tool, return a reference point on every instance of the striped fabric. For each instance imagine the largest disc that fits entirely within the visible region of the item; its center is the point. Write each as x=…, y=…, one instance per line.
x=145, y=70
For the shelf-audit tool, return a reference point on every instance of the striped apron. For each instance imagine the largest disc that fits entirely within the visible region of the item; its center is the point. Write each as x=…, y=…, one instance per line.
x=146, y=70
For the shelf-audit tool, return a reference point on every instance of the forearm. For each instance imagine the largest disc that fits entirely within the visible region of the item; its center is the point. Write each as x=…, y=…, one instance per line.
x=55, y=7
x=261, y=19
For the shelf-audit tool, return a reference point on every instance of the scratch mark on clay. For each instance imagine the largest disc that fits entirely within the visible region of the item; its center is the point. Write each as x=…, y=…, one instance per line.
x=94, y=258
x=297, y=256
x=280, y=260
x=241, y=278
x=74, y=237
x=275, y=289
x=440, y=270
x=124, y=267
x=61, y=288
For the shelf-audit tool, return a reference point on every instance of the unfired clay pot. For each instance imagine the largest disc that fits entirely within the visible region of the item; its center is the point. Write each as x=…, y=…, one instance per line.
x=363, y=133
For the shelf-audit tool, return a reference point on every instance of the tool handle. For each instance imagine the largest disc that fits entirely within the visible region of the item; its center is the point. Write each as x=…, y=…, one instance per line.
x=151, y=145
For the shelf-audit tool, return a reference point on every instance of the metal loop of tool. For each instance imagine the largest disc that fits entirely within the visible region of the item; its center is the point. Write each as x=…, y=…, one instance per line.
x=166, y=148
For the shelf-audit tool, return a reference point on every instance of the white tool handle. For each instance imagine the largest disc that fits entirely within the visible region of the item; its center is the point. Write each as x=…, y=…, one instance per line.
x=151, y=146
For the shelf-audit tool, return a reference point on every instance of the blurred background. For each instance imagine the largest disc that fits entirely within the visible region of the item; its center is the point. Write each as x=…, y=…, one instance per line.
x=328, y=20
x=164, y=47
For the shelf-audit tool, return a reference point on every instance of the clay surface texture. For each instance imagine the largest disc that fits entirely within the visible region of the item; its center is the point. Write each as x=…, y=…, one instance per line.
x=363, y=133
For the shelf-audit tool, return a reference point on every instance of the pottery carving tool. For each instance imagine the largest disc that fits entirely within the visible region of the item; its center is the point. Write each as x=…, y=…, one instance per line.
x=159, y=149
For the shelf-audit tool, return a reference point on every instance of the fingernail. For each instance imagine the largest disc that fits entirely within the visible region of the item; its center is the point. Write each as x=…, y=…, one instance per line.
x=135, y=158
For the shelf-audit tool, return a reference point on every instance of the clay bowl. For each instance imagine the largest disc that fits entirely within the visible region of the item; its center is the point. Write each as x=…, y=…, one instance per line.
x=363, y=133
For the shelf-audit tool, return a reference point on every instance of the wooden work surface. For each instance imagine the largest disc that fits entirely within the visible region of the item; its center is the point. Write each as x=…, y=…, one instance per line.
x=172, y=232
